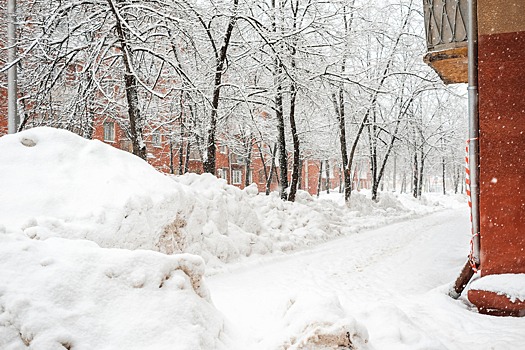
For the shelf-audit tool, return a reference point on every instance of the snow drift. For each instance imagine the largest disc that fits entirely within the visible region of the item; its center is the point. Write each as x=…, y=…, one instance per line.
x=81, y=225
x=72, y=294
x=57, y=184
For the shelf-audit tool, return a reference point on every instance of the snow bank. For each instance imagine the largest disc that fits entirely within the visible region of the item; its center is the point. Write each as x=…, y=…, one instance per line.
x=318, y=322
x=510, y=285
x=72, y=294
x=56, y=184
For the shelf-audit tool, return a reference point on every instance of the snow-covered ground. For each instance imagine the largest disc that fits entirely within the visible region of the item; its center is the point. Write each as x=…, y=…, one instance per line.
x=387, y=285
x=57, y=184
x=84, y=228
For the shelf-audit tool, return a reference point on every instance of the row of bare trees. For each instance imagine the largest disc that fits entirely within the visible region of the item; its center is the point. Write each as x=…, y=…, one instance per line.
x=281, y=80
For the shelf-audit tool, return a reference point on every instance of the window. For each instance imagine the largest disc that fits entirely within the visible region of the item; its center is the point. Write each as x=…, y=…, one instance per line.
x=223, y=149
x=241, y=160
x=262, y=178
x=195, y=154
x=109, y=131
x=237, y=177
x=222, y=174
x=156, y=138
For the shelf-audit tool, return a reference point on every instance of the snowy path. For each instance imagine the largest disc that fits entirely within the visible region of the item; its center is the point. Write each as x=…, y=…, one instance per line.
x=392, y=280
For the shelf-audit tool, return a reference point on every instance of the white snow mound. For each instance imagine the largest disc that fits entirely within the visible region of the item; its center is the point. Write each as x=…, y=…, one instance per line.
x=72, y=294
x=318, y=322
x=54, y=183
x=71, y=187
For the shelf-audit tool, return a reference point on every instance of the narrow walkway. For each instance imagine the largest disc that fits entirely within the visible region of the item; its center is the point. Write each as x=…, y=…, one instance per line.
x=392, y=280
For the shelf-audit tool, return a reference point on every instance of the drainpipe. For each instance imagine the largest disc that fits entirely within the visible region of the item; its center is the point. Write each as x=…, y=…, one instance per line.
x=473, y=99
x=473, y=103
x=12, y=115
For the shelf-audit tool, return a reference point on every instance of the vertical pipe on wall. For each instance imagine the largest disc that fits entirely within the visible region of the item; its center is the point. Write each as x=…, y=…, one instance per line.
x=12, y=115
x=474, y=125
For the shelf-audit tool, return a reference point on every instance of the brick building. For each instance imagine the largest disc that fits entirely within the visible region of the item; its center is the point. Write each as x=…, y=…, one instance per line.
x=230, y=166
x=493, y=66
x=3, y=111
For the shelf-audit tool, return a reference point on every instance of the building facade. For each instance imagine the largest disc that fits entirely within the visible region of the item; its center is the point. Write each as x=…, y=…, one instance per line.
x=501, y=92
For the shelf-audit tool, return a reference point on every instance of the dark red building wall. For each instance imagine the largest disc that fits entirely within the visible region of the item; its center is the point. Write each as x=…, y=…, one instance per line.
x=3, y=111
x=502, y=136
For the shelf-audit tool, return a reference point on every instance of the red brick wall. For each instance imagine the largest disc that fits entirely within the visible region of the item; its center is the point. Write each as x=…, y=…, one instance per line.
x=3, y=111
x=159, y=156
x=98, y=133
x=502, y=152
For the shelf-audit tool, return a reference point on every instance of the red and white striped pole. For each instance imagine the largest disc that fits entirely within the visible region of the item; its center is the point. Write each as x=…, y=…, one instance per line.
x=472, y=261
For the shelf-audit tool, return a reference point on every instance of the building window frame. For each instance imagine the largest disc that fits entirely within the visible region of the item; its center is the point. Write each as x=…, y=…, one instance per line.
x=156, y=139
x=222, y=173
x=236, y=177
x=109, y=131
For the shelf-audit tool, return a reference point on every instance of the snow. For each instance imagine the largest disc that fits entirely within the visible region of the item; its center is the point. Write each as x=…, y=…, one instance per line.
x=62, y=185
x=99, y=251
x=72, y=294
x=393, y=281
x=510, y=285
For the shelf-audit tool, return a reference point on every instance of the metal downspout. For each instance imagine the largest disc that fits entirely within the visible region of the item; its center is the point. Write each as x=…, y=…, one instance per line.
x=473, y=99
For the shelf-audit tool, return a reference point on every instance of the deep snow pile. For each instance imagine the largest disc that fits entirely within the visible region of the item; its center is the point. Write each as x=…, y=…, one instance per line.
x=72, y=294
x=313, y=321
x=71, y=208
x=55, y=183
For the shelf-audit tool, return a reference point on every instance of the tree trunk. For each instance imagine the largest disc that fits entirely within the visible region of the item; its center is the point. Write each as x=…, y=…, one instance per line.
x=272, y=169
x=444, y=173
x=415, y=175
x=421, y=173
x=457, y=169
x=181, y=150
x=300, y=179
x=327, y=175
x=248, y=160
x=220, y=57
x=394, y=175
x=278, y=100
x=339, y=104
x=404, y=183
x=187, y=159
x=281, y=139
x=296, y=146
x=293, y=97
x=320, y=178
x=373, y=154
x=172, y=154
x=385, y=160
x=340, y=110
x=131, y=88
x=263, y=162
